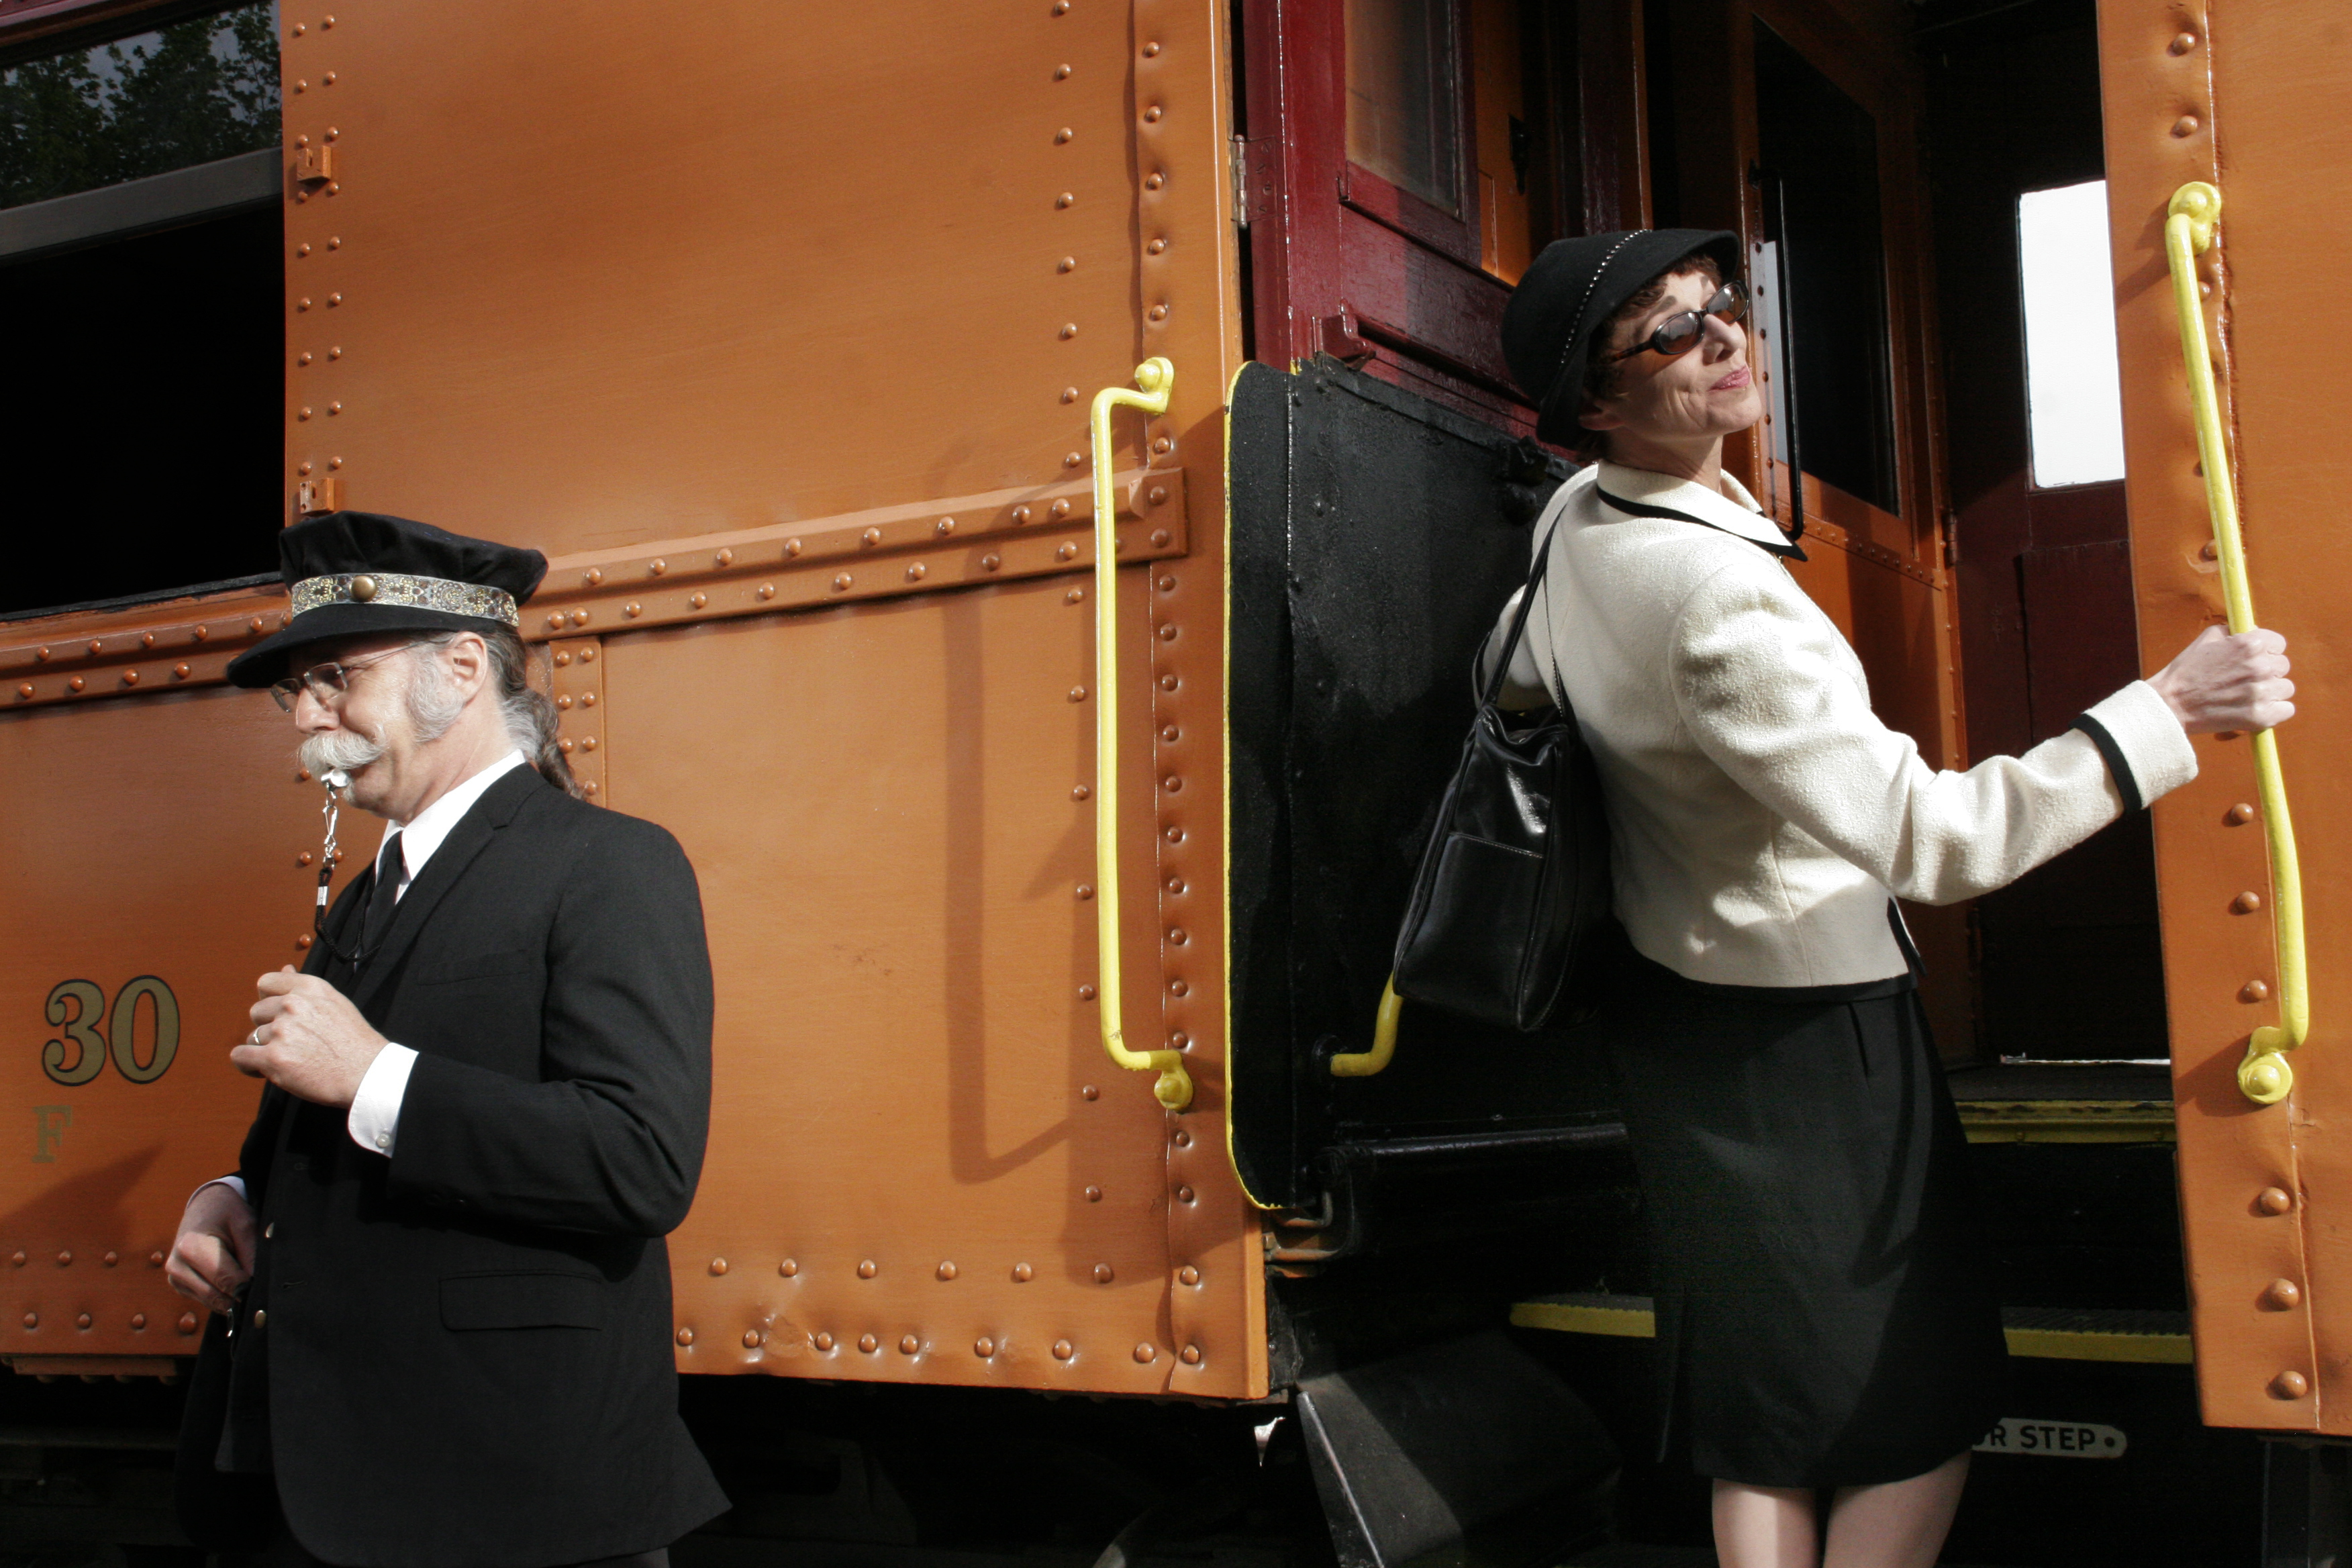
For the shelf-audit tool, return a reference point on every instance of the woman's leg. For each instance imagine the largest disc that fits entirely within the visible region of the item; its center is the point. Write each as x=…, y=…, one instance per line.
x=1896, y=1524
x=1764, y=1527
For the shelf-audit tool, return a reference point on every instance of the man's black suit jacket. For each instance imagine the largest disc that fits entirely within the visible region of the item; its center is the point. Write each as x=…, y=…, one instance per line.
x=466, y=1358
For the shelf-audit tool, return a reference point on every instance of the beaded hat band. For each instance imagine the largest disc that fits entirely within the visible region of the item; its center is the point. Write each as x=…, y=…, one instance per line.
x=411, y=593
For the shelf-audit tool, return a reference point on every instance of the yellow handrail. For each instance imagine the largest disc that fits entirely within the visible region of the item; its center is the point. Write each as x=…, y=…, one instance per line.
x=1364, y=1064
x=2263, y=1077
x=1154, y=377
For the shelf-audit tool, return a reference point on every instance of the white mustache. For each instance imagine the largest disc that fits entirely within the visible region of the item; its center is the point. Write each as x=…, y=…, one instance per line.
x=338, y=751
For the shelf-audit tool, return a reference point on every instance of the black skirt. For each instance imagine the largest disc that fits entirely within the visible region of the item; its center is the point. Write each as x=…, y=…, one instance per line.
x=1825, y=1304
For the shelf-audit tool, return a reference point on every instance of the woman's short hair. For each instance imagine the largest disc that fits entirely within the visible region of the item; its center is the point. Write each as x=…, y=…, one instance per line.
x=1604, y=377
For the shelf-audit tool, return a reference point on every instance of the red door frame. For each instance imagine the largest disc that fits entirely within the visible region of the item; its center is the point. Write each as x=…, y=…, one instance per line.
x=1331, y=274
x=1332, y=271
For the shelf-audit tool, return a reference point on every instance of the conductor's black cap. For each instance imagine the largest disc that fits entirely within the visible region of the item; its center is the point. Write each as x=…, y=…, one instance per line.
x=351, y=573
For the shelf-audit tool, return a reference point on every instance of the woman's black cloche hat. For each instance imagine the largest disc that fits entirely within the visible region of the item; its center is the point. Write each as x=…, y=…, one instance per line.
x=1567, y=294
x=352, y=572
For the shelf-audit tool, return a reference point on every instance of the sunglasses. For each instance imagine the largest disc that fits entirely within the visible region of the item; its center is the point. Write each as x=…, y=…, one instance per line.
x=326, y=683
x=1680, y=333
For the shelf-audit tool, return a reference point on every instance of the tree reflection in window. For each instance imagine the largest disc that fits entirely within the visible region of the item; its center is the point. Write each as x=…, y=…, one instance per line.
x=195, y=91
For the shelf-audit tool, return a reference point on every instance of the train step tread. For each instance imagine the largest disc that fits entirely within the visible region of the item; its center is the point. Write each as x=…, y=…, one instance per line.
x=2050, y=1334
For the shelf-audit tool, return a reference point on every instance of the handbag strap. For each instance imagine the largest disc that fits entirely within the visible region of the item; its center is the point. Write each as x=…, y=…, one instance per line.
x=1519, y=621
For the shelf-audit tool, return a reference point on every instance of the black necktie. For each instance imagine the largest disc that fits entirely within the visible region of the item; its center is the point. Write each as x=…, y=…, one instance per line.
x=382, y=898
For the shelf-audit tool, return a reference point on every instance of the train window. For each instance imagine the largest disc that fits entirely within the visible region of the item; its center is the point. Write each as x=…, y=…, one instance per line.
x=194, y=92
x=2073, y=389
x=1403, y=121
x=1459, y=135
x=1820, y=153
x=142, y=244
x=1504, y=146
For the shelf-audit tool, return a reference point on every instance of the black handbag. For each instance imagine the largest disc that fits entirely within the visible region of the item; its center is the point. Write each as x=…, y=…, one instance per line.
x=1511, y=906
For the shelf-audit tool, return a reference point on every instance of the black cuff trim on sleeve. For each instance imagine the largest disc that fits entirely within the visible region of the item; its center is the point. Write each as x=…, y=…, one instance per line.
x=2126, y=785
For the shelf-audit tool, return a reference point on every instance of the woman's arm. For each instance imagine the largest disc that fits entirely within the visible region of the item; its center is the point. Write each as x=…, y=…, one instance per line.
x=1523, y=683
x=1761, y=680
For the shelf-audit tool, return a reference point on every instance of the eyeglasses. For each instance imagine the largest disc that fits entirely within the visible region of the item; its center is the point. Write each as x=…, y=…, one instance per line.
x=1680, y=333
x=326, y=683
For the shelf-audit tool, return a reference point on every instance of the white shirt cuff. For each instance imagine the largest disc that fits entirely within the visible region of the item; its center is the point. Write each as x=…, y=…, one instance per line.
x=233, y=1184
x=375, y=1120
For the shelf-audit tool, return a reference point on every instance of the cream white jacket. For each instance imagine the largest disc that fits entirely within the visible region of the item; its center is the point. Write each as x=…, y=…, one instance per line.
x=1759, y=813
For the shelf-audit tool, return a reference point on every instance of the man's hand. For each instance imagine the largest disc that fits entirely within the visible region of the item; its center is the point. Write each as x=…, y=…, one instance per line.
x=211, y=1258
x=2224, y=682
x=307, y=1039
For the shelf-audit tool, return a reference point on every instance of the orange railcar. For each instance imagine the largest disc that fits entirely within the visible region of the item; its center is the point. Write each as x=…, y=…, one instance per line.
x=777, y=329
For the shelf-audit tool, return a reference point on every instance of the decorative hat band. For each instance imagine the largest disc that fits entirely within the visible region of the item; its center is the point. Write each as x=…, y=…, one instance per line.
x=409, y=592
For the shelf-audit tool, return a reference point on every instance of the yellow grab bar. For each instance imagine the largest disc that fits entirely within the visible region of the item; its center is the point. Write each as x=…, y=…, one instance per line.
x=2265, y=1076
x=1364, y=1064
x=1154, y=377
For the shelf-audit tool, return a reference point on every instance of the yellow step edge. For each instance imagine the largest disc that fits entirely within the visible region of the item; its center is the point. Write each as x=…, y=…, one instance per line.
x=2067, y=1121
x=2042, y=1344
x=2082, y=1345
x=1575, y=1318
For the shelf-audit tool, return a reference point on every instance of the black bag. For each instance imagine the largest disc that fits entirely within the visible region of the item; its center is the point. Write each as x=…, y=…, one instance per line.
x=1512, y=901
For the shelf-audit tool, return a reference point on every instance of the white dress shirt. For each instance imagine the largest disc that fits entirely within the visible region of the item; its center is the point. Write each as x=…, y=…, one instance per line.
x=374, y=1120
x=1759, y=812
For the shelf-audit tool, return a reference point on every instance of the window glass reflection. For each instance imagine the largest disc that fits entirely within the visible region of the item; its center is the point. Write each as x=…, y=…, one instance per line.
x=194, y=92
x=1402, y=125
x=2073, y=389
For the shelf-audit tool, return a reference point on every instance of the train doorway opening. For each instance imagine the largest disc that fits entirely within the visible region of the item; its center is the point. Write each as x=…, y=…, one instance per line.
x=2068, y=961
x=1989, y=596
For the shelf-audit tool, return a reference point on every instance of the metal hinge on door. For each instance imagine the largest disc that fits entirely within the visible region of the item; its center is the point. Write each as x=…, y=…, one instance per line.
x=1256, y=163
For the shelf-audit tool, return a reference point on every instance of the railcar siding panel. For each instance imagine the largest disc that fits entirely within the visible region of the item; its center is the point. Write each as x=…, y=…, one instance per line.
x=595, y=278
x=2286, y=180
x=163, y=836
x=890, y=856
x=2228, y=93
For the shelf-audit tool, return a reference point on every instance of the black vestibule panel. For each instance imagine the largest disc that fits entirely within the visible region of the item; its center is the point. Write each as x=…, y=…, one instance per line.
x=1375, y=539
x=1262, y=1090
x=142, y=412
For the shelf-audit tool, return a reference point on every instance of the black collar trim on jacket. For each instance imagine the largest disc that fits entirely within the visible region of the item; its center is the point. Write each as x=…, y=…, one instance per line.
x=1645, y=509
